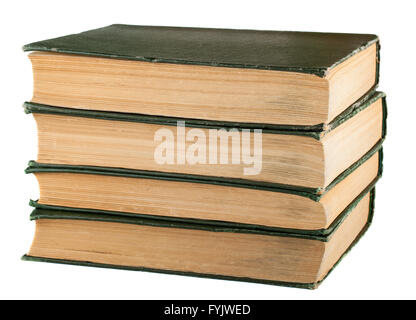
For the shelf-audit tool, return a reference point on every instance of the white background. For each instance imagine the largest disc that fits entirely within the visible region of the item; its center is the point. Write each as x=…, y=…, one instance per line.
x=382, y=265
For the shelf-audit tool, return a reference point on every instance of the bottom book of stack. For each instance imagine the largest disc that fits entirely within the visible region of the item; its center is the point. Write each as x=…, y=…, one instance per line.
x=291, y=257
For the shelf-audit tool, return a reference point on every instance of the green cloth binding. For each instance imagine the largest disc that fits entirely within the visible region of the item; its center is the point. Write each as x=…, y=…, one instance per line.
x=306, y=52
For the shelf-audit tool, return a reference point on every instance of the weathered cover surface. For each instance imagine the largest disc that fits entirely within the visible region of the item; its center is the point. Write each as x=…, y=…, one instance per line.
x=307, y=52
x=56, y=214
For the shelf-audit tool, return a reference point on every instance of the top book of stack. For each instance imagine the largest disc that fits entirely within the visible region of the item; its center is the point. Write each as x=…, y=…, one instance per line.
x=292, y=80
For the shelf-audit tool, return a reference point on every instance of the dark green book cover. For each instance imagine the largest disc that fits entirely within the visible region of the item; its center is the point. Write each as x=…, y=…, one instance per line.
x=308, y=52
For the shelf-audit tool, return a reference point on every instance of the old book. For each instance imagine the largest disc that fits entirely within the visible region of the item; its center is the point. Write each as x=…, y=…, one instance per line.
x=306, y=159
x=215, y=201
x=283, y=258
x=298, y=79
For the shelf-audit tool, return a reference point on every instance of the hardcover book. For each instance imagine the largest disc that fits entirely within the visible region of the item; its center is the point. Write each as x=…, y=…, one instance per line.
x=298, y=79
x=271, y=257
x=276, y=157
x=221, y=202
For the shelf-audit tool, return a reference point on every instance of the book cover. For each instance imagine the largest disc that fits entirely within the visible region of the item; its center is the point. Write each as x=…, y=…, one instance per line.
x=306, y=52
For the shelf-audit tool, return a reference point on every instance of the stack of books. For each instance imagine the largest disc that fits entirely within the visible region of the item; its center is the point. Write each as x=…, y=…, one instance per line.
x=233, y=154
